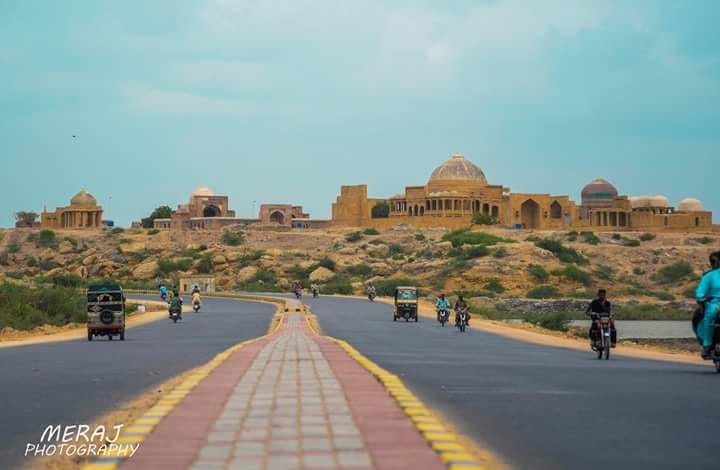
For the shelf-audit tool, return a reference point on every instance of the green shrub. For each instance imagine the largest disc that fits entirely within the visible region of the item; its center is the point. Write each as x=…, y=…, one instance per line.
x=370, y=231
x=616, y=236
x=631, y=242
x=250, y=257
x=47, y=264
x=205, y=265
x=477, y=251
x=24, y=308
x=573, y=273
x=604, y=272
x=337, y=285
x=354, y=236
x=563, y=253
x=4, y=258
x=704, y=240
x=31, y=261
x=572, y=238
x=556, y=321
x=124, y=241
x=539, y=273
x=15, y=274
x=465, y=237
x=327, y=263
x=153, y=231
x=500, y=253
x=646, y=237
x=591, y=238
x=46, y=239
x=169, y=266
x=360, y=270
x=396, y=249
x=386, y=287
x=543, y=292
x=419, y=237
x=13, y=247
x=689, y=292
x=68, y=280
x=233, y=238
x=494, y=285
x=263, y=281
x=381, y=210
x=674, y=273
x=484, y=219
x=117, y=230
x=138, y=256
x=638, y=271
x=662, y=295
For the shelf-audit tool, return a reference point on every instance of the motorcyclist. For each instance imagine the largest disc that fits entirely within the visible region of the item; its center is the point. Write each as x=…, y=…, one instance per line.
x=163, y=291
x=708, y=295
x=175, y=303
x=371, y=290
x=314, y=288
x=195, y=289
x=442, y=304
x=196, y=297
x=460, y=304
x=600, y=307
x=297, y=288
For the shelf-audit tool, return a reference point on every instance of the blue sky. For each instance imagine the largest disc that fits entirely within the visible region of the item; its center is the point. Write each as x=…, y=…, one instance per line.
x=284, y=101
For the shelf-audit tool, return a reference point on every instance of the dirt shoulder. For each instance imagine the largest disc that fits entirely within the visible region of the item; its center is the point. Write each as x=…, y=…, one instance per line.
x=155, y=310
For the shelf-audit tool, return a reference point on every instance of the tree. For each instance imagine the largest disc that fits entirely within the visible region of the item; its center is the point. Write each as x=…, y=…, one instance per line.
x=25, y=219
x=162, y=212
x=381, y=210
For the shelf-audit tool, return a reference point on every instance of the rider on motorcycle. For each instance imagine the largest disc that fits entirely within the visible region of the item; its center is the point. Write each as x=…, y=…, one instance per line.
x=175, y=303
x=163, y=291
x=442, y=304
x=314, y=288
x=600, y=307
x=297, y=288
x=708, y=294
x=370, y=290
x=460, y=304
x=196, y=297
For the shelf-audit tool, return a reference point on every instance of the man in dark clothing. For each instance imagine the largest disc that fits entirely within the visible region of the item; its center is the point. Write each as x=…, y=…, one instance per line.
x=600, y=307
x=460, y=304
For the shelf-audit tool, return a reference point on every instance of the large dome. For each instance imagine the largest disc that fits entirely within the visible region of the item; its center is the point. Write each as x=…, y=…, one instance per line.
x=83, y=199
x=600, y=189
x=691, y=205
x=458, y=169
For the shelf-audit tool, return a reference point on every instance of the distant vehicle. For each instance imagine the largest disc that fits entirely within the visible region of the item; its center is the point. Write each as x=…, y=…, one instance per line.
x=106, y=311
x=442, y=316
x=462, y=319
x=406, y=303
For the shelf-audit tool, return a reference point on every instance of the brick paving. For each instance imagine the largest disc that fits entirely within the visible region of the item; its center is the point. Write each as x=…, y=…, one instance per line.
x=291, y=401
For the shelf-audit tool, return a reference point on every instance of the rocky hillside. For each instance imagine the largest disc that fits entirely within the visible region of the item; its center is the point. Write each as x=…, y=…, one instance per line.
x=486, y=261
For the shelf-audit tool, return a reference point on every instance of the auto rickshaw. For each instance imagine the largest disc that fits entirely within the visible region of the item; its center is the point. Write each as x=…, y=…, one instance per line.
x=406, y=303
x=105, y=311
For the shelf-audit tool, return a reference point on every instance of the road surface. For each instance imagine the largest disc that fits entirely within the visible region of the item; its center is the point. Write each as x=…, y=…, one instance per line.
x=540, y=407
x=75, y=382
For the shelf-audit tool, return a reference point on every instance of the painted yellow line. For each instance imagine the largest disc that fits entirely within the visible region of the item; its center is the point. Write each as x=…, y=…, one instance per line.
x=143, y=426
x=445, y=443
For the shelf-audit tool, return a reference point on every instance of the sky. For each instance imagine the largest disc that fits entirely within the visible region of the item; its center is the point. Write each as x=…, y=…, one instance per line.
x=284, y=101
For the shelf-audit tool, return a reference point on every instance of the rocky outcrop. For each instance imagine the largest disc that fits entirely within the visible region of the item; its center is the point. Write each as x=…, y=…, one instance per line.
x=321, y=274
x=246, y=273
x=145, y=270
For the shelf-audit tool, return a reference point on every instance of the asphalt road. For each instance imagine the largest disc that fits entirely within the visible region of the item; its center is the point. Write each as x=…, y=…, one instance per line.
x=75, y=382
x=540, y=407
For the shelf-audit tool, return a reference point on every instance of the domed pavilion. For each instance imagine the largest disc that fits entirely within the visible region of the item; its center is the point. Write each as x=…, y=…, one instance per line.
x=83, y=212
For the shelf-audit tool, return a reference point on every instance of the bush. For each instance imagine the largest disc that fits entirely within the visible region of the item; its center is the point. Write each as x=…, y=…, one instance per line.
x=573, y=273
x=31, y=262
x=543, y=292
x=47, y=265
x=419, y=237
x=484, y=219
x=168, y=266
x=250, y=257
x=563, y=253
x=591, y=238
x=396, y=249
x=704, y=240
x=631, y=242
x=327, y=263
x=386, y=287
x=371, y=231
x=233, y=238
x=68, y=280
x=205, y=265
x=4, y=258
x=15, y=274
x=539, y=273
x=616, y=236
x=354, y=236
x=337, y=285
x=46, y=239
x=638, y=271
x=689, y=292
x=13, y=247
x=494, y=285
x=604, y=272
x=381, y=210
x=153, y=231
x=360, y=270
x=500, y=253
x=646, y=237
x=117, y=230
x=674, y=273
x=476, y=251
x=556, y=321
x=263, y=281
x=24, y=308
x=465, y=237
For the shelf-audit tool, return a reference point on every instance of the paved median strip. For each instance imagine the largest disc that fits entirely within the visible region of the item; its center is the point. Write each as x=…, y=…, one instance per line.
x=449, y=448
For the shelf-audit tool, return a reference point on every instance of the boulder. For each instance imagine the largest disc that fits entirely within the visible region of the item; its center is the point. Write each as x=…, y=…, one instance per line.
x=233, y=256
x=321, y=274
x=89, y=260
x=441, y=248
x=382, y=269
x=219, y=260
x=246, y=273
x=65, y=248
x=145, y=270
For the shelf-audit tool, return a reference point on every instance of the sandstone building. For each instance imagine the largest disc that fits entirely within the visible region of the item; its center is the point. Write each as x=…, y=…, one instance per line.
x=83, y=212
x=458, y=191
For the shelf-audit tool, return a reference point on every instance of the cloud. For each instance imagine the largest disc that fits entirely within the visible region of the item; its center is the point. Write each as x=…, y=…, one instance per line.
x=161, y=101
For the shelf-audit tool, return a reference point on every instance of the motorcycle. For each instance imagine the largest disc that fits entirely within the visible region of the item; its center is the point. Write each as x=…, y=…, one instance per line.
x=315, y=292
x=196, y=307
x=442, y=315
x=175, y=314
x=715, y=349
x=371, y=296
x=163, y=296
x=602, y=341
x=462, y=320
x=298, y=293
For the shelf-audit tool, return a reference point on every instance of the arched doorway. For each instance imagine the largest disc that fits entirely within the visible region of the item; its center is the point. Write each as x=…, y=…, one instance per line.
x=476, y=206
x=530, y=214
x=495, y=211
x=211, y=211
x=486, y=209
x=555, y=210
x=277, y=217
x=422, y=211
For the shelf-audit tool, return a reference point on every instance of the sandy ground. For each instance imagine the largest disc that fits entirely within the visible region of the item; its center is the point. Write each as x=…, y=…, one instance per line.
x=156, y=310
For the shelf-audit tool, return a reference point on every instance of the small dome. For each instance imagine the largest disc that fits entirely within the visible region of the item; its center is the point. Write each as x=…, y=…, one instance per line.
x=202, y=191
x=649, y=201
x=599, y=189
x=83, y=199
x=458, y=169
x=691, y=205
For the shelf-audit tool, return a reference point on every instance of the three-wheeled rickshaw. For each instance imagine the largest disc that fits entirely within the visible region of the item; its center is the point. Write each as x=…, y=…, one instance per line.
x=406, y=303
x=105, y=311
